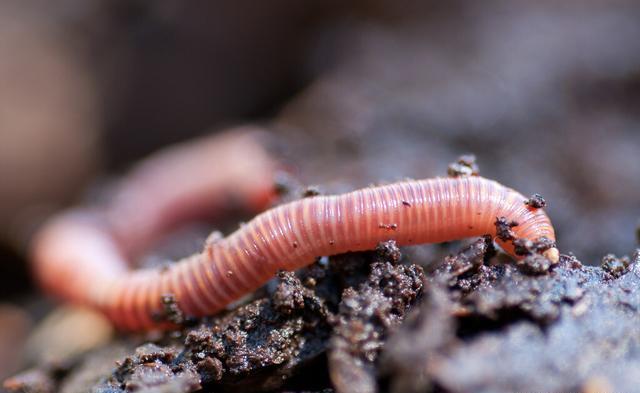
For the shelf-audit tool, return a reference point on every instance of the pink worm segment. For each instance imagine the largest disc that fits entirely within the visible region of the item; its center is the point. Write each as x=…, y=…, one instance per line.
x=77, y=247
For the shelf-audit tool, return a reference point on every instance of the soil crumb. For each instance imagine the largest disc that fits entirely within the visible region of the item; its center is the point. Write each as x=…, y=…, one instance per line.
x=171, y=311
x=536, y=201
x=504, y=229
x=464, y=165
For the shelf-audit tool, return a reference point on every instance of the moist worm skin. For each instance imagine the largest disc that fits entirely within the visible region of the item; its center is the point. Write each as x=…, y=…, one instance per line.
x=286, y=237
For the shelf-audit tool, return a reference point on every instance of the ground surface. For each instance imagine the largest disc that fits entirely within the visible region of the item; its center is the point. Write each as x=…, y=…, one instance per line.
x=477, y=323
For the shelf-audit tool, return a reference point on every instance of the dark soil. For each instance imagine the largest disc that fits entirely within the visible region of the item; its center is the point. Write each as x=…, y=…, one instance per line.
x=475, y=324
x=264, y=344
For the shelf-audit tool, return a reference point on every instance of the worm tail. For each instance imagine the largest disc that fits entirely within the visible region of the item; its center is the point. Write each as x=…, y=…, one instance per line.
x=83, y=255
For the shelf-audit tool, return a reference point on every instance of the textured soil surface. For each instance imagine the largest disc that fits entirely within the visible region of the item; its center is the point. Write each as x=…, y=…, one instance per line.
x=374, y=321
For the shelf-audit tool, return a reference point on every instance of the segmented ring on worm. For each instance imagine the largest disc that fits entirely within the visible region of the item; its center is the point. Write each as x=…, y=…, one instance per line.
x=89, y=255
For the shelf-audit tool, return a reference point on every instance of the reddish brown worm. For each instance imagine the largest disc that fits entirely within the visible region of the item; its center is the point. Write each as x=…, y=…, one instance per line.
x=80, y=257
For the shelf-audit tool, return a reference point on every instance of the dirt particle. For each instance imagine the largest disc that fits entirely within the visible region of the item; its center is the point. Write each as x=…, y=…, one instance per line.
x=503, y=229
x=528, y=247
x=171, y=310
x=543, y=244
x=406, y=203
x=389, y=252
x=465, y=165
x=571, y=261
x=522, y=246
x=389, y=227
x=294, y=244
x=310, y=282
x=615, y=266
x=534, y=264
x=470, y=258
x=212, y=367
x=311, y=191
x=289, y=294
x=536, y=201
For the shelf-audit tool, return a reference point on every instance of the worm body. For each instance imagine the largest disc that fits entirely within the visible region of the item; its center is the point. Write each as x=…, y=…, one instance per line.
x=90, y=256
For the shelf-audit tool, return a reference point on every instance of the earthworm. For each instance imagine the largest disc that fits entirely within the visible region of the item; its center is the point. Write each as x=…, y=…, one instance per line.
x=80, y=257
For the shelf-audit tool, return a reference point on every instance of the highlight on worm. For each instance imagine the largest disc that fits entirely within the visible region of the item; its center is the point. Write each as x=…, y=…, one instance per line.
x=82, y=255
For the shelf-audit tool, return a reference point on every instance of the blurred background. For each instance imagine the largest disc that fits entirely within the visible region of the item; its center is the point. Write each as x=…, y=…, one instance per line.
x=546, y=95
